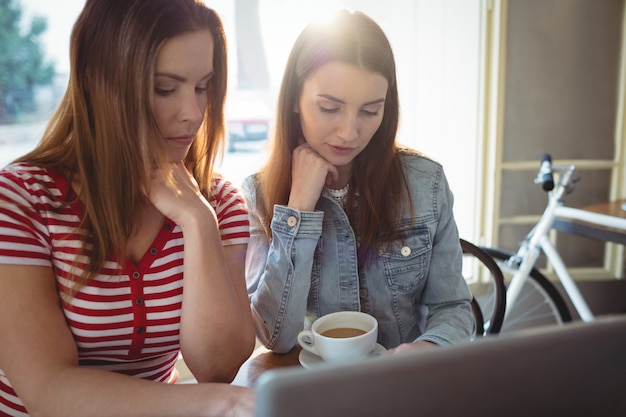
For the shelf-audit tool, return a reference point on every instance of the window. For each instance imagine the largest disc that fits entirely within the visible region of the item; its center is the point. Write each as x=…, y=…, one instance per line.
x=437, y=45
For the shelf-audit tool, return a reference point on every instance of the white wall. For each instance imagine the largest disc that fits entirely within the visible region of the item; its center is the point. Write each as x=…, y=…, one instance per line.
x=445, y=118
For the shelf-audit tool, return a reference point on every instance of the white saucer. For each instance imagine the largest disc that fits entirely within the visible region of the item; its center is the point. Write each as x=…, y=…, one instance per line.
x=309, y=359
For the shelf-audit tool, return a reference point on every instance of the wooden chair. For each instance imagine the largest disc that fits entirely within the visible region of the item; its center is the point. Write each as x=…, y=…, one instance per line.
x=486, y=282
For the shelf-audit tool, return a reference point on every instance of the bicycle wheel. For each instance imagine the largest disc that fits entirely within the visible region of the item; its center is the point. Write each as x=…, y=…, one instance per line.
x=539, y=303
x=486, y=283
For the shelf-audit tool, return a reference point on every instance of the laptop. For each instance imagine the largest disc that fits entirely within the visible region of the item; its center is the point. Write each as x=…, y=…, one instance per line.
x=577, y=369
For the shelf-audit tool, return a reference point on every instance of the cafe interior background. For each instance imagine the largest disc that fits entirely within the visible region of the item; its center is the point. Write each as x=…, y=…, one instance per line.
x=486, y=87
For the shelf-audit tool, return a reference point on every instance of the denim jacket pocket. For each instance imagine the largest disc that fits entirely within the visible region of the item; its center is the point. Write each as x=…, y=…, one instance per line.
x=406, y=261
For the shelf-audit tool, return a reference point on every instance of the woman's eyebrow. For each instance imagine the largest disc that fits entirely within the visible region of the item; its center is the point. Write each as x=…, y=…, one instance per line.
x=180, y=78
x=338, y=100
x=378, y=101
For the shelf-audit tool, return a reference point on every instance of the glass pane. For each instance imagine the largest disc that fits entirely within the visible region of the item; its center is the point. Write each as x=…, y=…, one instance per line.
x=594, y=187
x=562, y=79
x=578, y=251
x=520, y=195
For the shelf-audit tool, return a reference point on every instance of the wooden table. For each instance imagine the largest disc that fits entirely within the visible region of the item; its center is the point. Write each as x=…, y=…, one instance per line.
x=263, y=360
x=595, y=231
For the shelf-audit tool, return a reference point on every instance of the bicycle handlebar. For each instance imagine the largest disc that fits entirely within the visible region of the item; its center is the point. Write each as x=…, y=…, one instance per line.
x=567, y=177
x=544, y=176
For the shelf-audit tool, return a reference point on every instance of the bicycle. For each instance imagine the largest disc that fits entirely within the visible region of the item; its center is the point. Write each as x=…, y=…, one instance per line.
x=531, y=298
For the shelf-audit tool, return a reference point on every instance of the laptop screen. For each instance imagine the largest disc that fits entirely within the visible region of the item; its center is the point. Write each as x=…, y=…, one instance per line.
x=570, y=370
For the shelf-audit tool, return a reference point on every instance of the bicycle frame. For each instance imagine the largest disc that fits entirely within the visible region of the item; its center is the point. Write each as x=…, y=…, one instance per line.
x=537, y=240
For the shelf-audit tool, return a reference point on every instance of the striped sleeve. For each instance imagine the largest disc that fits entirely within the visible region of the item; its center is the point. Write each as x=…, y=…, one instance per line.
x=24, y=237
x=232, y=213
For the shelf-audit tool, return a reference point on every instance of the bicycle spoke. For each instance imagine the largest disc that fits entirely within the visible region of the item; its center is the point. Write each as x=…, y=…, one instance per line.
x=536, y=304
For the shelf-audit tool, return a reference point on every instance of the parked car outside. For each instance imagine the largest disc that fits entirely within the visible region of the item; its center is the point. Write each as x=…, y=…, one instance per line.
x=248, y=117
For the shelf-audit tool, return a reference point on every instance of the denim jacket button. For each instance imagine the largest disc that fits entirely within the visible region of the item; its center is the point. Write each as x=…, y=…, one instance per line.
x=405, y=251
x=362, y=293
x=291, y=221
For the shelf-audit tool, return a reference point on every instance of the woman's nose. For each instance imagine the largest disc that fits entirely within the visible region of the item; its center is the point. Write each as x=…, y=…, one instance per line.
x=191, y=108
x=348, y=129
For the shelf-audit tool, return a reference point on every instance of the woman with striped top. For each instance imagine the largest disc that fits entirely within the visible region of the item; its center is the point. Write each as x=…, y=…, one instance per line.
x=120, y=247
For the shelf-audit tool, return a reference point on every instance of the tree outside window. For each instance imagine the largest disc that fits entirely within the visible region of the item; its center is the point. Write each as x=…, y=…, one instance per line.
x=22, y=65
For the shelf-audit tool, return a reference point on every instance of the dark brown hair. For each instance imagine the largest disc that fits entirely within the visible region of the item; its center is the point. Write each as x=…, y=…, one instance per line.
x=353, y=38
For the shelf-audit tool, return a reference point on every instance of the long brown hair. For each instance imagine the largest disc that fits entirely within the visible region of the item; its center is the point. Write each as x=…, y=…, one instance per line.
x=354, y=38
x=103, y=136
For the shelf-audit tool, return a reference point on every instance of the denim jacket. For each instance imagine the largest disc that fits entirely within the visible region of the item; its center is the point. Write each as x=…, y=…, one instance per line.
x=414, y=287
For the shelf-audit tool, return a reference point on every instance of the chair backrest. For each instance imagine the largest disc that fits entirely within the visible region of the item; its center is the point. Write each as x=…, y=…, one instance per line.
x=488, y=288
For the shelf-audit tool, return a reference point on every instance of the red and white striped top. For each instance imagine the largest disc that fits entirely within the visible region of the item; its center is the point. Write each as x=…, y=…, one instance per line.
x=126, y=319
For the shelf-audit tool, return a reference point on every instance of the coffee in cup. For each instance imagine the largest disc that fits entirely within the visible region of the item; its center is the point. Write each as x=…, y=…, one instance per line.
x=341, y=337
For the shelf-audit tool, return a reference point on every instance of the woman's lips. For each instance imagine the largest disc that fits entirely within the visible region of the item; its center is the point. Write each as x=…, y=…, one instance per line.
x=340, y=150
x=183, y=140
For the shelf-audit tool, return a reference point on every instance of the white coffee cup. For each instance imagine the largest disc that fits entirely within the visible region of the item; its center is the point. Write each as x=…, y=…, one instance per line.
x=341, y=337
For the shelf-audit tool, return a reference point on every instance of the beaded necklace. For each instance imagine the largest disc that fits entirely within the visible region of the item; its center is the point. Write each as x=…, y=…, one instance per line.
x=338, y=195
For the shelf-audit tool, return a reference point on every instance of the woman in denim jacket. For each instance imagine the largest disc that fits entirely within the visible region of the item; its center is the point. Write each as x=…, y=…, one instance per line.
x=344, y=218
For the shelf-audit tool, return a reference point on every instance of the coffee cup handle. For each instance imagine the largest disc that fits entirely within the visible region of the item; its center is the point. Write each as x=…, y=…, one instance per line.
x=305, y=340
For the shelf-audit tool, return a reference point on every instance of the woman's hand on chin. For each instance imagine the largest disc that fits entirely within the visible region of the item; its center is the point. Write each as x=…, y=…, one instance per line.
x=309, y=173
x=176, y=194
